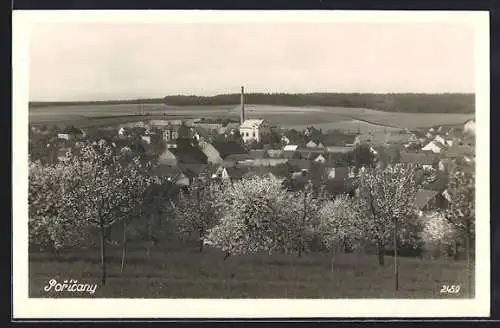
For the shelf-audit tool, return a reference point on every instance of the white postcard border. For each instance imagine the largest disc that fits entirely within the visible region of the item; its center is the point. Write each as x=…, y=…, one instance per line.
x=24, y=307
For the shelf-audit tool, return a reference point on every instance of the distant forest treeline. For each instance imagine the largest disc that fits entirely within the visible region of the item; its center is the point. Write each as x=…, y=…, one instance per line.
x=394, y=102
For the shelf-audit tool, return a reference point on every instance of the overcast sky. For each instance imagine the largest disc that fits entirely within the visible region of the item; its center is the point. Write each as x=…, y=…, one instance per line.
x=99, y=61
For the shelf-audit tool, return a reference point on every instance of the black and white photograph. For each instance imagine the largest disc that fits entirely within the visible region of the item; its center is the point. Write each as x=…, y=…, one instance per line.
x=255, y=164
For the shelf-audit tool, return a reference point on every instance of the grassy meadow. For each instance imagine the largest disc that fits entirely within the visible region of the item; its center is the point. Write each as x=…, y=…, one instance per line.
x=287, y=116
x=183, y=272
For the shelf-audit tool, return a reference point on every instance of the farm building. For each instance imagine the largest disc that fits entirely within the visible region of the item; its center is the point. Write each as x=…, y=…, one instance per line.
x=435, y=147
x=338, y=149
x=65, y=136
x=159, y=123
x=380, y=139
x=172, y=173
x=167, y=158
x=187, y=154
x=290, y=148
x=319, y=159
x=440, y=139
x=213, y=156
x=209, y=126
x=424, y=160
x=226, y=148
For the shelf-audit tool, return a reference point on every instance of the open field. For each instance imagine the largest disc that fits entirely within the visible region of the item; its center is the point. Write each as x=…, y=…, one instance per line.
x=286, y=116
x=187, y=273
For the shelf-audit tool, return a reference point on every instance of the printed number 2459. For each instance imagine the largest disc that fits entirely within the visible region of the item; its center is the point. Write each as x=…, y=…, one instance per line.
x=450, y=289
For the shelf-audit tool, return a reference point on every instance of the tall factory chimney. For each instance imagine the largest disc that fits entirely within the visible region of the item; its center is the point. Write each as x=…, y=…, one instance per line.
x=242, y=113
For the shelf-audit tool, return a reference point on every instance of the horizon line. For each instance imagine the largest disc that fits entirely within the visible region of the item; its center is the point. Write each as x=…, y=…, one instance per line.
x=251, y=93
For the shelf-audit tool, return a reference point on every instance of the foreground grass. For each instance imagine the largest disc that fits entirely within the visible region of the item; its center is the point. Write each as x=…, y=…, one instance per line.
x=187, y=273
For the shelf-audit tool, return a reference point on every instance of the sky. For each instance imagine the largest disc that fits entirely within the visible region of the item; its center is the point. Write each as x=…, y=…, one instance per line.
x=106, y=61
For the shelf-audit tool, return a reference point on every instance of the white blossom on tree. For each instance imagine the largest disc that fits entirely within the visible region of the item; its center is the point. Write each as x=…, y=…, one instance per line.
x=386, y=198
x=98, y=190
x=195, y=210
x=438, y=234
x=255, y=215
x=339, y=224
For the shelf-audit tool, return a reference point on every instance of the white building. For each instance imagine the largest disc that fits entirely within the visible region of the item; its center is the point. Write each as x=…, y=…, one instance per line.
x=290, y=148
x=65, y=136
x=311, y=144
x=254, y=130
x=320, y=159
x=440, y=139
x=434, y=146
x=470, y=127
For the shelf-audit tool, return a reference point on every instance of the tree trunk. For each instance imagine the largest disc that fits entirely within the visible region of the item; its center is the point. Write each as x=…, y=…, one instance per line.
x=124, y=249
x=380, y=250
x=103, y=254
x=396, y=268
x=456, y=255
x=201, y=241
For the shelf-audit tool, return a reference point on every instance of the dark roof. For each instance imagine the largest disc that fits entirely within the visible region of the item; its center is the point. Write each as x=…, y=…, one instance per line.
x=238, y=157
x=163, y=170
x=192, y=170
x=418, y=158
x=237, y=172
x=202, y=132
x=258, y=153
x=299, y=163
x=311, y=150
x=423, y=197
x=183, y=131
x=439, y=184
x=226, y=148
x=288, y=154
x=188, y=154
x=419, y=133
x=71, y=130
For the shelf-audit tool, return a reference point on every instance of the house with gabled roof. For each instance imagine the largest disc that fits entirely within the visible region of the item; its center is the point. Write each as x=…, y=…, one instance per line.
x=311, y=144
x=229, y=147
x=167, y=158
x=173, y=173
x=434, y=146
x=258, y=153
x=188, y=154
x=213, y=156
x=319, y=158
x=425, y=199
